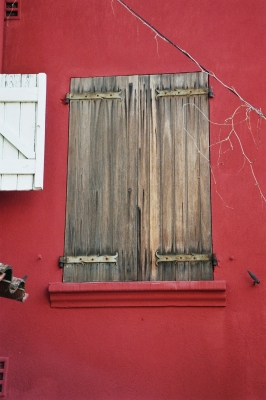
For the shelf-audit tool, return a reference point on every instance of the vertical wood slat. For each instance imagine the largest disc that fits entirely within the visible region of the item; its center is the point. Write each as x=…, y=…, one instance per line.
x=193, y=200
x=40, y=131
x=166, y=271
x=155, y=180
x=27, y=130
x=205, y=189
x=180, y=181
x=11, y=117
x=164, y=144
x=144, y=111
x=2, y=112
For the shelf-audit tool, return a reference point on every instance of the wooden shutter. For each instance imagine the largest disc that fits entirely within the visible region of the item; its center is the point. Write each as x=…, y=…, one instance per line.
x=138, y=179
x=102, y=181
x=174, y=178
x=22, y=129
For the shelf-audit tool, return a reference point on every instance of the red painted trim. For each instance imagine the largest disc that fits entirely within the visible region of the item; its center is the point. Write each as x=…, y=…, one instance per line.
x=138, y=294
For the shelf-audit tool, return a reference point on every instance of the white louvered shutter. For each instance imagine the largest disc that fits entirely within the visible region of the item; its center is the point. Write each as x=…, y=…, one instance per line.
x=22, y=131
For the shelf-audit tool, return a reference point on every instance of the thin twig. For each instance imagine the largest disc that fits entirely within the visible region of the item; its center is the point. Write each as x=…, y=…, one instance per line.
x=201, y=67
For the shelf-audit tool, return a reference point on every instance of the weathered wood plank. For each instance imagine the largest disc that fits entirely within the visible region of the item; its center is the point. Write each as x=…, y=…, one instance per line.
x=128, y=227
x=144, y=128
x=180, y=183
x=193, y=217
x=204, y=189
x=167, y=195
x=155, y=180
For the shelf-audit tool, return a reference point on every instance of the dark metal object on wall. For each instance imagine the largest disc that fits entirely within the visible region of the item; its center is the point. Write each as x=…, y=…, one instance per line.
x=255, y=279
x=11, y=287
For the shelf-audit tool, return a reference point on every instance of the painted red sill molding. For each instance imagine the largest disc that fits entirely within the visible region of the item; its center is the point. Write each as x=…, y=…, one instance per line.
x=138, y=294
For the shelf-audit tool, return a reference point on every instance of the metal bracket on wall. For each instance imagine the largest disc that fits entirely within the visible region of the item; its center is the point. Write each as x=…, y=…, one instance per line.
x=87, y=259
x=183, y=257
x=93, y=96
x=184, y=92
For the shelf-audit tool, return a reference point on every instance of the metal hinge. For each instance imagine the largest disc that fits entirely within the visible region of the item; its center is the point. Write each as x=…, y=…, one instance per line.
x=93, y=96
x=185, y=258
x=184, y=92
x=87, y=259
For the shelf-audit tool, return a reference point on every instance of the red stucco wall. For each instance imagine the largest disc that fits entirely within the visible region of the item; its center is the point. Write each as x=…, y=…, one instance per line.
x=139, y=353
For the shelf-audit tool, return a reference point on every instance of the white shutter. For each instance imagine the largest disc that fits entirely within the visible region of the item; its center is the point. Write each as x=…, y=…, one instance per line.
x=22, y=131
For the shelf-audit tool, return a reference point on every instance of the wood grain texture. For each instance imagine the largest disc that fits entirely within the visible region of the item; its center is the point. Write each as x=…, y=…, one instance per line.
x=102, y=181
x=177, y=219
x=139, y=179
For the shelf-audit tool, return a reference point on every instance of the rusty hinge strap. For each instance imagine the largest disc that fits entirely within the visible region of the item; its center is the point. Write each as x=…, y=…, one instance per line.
x=183, y=92
x=93, y=96
x=88, y=259
x=182, y=257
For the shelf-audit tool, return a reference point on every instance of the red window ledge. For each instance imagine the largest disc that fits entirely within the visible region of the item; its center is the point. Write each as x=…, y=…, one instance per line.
x=138, y=294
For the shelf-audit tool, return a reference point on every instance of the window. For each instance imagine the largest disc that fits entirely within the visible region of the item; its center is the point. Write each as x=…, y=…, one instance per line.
x=138, y=190
x=12, y=10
